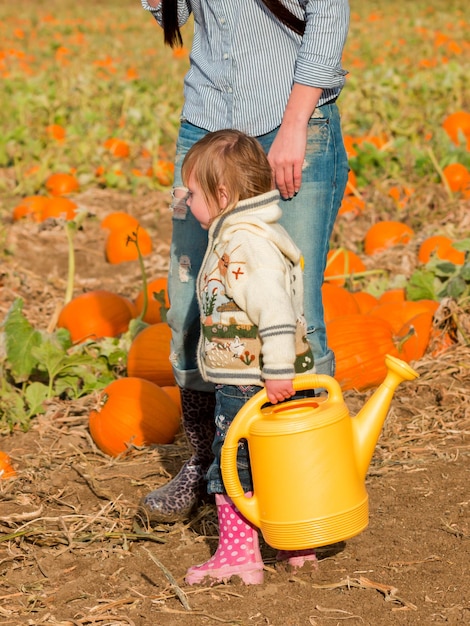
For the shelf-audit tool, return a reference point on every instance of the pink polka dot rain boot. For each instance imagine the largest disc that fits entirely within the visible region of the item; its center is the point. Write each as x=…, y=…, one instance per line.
x=238, y=551
x=297, y=558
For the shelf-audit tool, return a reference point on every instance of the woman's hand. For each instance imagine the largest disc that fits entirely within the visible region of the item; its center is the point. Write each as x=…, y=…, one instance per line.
x=286, y=157
x=287, y=153
x=279, y=390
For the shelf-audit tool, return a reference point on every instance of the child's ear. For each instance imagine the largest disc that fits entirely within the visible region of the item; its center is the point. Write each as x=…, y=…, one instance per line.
x=222, y=197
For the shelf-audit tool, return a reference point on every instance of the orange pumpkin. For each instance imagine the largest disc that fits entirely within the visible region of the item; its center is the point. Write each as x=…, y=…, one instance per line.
x=399, y=313
x=96, y=314
x=341, y=264
x=457, y=176
x=163, y=172
x=457, y=126
x=56, y=131
x=417, y=332
x=6, y=468
x=149, y=355
x=134, y=411
x=442, y=247
x=351, y=206
x=153, y=314
x=117, y=147
x=365, y=301
x=393, y=295
x=360, y=343
x=59, y=207
x=337, y=301
x=175, y=394
x=119, y=248
x=386, y=234
x=351, y=184
x=440, y=340
x=61, y=183
x=30, y=207
x=119, y=219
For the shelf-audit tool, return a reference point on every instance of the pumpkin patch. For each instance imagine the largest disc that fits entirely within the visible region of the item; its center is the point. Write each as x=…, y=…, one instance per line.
x=75, y=546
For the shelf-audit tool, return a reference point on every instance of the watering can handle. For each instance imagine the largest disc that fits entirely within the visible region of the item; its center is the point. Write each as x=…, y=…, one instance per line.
x=240, y=429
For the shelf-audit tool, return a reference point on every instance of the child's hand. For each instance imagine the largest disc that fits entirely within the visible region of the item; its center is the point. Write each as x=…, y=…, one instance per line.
x=279, y=390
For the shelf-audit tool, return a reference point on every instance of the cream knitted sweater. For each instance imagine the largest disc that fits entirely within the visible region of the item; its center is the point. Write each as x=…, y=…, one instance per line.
x=250, y=292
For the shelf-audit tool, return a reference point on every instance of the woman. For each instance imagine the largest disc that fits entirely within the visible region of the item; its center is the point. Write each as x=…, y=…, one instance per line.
x=272, y=70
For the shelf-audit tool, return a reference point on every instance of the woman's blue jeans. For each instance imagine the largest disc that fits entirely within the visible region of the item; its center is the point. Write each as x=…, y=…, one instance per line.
x=308, y=217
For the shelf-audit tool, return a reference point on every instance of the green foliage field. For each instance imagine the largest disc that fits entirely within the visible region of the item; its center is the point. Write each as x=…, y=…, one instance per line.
x=103, y=72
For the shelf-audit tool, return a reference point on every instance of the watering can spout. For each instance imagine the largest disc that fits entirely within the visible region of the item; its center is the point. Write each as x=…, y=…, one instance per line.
x=368, y=423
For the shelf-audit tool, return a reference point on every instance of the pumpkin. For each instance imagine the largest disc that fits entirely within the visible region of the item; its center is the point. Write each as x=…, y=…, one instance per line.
x=6, y=468
x=457, y=126
x=351, y=206
x=153, y=314
x=386, y=234
x=442, y=247
x=149, y=355
x=337, y=301
x=59, y=207
x=163, y=172
x=119, y=248
x=365, y=300
x=117, y=147
x=56, y=131
x=399, y=313
x=31, y=207
x=457, y=176
x=341, y=264
x=393, y=295
x=134, y=411
x=119, y=219
x=416, y=334
x=351, y=183
x=96, y=314
x=175, y=394
x=360, y=343
x=440, y=340
x=61, y=183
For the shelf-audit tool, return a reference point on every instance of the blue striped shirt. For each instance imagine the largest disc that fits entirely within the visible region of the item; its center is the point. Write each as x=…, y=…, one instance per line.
x=244, y=62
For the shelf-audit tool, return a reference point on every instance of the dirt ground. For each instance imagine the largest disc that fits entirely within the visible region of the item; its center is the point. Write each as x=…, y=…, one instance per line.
x=72, y=551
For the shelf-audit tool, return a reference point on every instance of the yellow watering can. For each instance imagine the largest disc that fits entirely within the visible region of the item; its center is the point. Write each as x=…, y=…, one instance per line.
x=309, y=461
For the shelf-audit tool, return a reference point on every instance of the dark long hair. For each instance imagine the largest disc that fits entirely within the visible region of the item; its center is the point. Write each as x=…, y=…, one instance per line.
x=172, y=34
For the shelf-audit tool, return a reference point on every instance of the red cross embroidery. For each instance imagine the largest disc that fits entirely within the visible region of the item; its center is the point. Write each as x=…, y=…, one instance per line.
x=237, y=273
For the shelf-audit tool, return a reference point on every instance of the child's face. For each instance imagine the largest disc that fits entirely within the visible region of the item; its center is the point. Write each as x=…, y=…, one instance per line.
x=197, y=203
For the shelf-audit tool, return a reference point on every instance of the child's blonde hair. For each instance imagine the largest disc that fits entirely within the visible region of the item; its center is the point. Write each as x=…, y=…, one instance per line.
x=232, y=159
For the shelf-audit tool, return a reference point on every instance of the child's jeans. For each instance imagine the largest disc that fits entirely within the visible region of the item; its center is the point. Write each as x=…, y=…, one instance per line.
x=229, y=399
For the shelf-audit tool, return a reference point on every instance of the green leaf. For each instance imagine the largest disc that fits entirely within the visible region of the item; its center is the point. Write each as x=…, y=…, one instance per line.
x=20, y=338
x=422, y=285
x=35, y=395
x=445, y=269
x=456, y=287
x=12, y=406
x=465, y=272
x=463, y=245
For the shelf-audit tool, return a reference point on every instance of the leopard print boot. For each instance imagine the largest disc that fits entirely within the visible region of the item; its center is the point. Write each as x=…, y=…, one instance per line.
x=174, y=501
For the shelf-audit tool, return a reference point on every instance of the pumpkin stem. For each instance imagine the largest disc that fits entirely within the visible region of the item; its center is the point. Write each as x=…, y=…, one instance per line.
x=139, y=320
x=71, y=227
x=402, y=340
x=438, y=169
